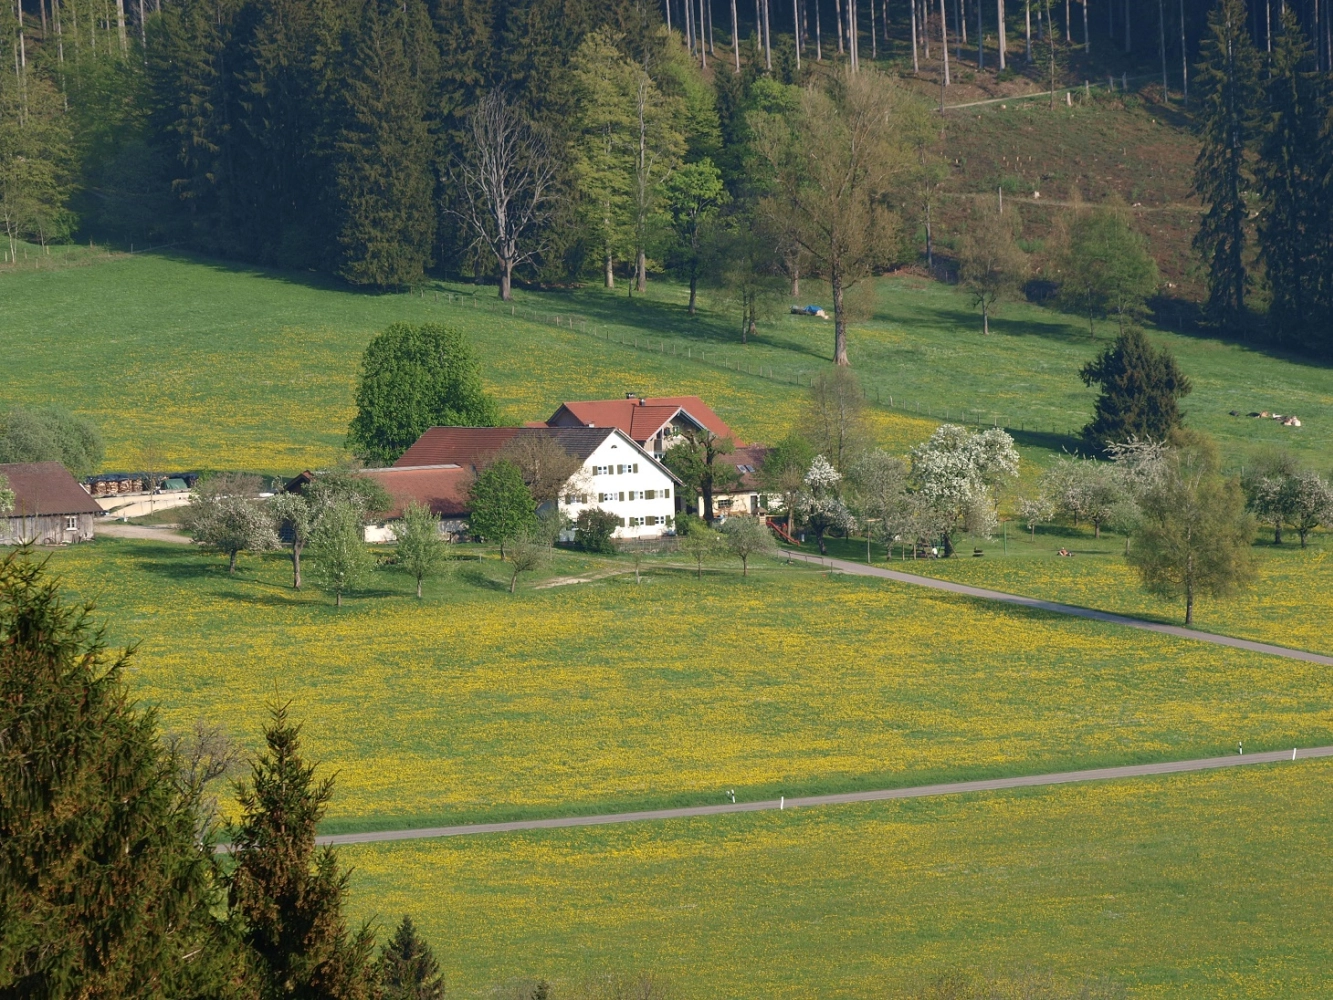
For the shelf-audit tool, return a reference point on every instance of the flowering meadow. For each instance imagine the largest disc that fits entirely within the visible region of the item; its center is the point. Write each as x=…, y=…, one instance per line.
x=1290, y=602
x=1198, y=885
x=601, y=695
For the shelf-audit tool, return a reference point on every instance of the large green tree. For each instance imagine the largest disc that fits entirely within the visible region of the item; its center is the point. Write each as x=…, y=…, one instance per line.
x=1226, y=81
x=1141, y=388
x=835, y=163
x=412, y=378
x=106, y=889
x=1105, y=268
x=51, y=434
x=287, y=893
x=1194, y=533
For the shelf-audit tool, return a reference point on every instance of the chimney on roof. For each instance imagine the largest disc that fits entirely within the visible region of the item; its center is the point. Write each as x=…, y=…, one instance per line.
x=591, y=424
x=642, y=401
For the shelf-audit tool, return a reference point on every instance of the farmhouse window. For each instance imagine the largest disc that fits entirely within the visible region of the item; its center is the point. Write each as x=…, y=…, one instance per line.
x=72, y=523
x=601, y=470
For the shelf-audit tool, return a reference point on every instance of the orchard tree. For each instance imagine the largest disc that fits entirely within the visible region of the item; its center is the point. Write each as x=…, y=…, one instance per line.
x=958, y=474
x=783, y=472
x=527, y=552
x=420, y=550
x=413, y=378
x=1084, y=490
x=746, y=537
x=338, y=548
x=821, y=502
x=545, y=464
x=835, y=417
x=990, y=262
x=225, y=514
x=502, y=505
x=1141, y=389
x=1194, y=536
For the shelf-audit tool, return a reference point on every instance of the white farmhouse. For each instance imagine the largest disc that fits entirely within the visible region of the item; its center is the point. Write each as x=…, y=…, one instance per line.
x=617, y=474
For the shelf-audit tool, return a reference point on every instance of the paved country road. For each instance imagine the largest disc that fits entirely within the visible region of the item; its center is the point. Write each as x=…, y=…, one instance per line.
x=954, y=788
x=860, y=569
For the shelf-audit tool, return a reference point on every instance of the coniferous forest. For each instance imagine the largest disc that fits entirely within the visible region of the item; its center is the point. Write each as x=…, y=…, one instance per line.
x=554, y=141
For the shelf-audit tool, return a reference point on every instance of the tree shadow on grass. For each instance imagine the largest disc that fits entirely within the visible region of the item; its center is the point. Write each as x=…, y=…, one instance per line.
x=474, y=576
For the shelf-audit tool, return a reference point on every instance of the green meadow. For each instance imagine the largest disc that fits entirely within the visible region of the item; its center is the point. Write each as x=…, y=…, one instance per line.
x=224, y=366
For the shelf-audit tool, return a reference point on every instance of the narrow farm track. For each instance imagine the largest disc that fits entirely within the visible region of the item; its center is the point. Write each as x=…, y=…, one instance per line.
x=843, y=798
x=859, y=569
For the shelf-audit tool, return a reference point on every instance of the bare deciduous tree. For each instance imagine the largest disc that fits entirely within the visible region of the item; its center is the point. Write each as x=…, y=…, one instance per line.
x=505, y=180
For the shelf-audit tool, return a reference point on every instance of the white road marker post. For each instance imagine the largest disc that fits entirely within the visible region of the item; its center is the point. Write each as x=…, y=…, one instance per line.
x=1293, y=753
x=782, y=802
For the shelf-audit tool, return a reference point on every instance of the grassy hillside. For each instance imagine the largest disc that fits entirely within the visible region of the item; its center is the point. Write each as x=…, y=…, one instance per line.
x=225, y=366
x=620, y=694
x=1288, y=603
x=1207, y=885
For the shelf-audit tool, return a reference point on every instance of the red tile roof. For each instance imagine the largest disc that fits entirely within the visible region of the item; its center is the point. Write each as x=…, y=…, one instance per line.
x=469, y=447
x=46, y=488
x=639, y=418
x=443, y=488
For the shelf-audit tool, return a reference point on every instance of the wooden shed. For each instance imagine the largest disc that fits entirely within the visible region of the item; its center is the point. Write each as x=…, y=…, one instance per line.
x=50, y=507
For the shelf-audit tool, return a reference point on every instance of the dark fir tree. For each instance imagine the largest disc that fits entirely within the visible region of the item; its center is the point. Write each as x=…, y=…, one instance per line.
x=1290, y=179
x=288, y=895
x=105, y=889
x=412, y=378
x=1141, y=389
x=1226, y=82
x=384, y=150
x=406, y=969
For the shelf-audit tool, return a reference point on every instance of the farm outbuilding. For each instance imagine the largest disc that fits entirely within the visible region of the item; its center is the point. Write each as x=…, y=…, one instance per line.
x=50, y=507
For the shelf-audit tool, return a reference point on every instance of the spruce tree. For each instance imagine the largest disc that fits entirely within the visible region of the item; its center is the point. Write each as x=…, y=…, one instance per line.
x=1287, y=169
x=1227, y=82
x=1141, y=387
x=384, y=150
x=406, y=969
x=105, y=890
x=288, y=895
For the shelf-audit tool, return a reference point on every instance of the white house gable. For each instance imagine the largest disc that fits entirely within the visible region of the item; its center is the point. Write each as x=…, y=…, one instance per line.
x=620, y=477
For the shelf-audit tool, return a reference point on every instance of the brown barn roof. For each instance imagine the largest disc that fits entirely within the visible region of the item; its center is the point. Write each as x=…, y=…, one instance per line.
x=473, y=447
x=442, y=488
x=465, y=446
x=45, y=488
x=640, y=418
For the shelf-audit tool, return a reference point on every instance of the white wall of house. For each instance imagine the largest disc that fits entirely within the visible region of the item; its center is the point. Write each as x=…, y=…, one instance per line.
x=619, y=478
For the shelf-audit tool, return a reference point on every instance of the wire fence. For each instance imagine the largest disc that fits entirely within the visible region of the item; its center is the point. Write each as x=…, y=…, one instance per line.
x=722, y=357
